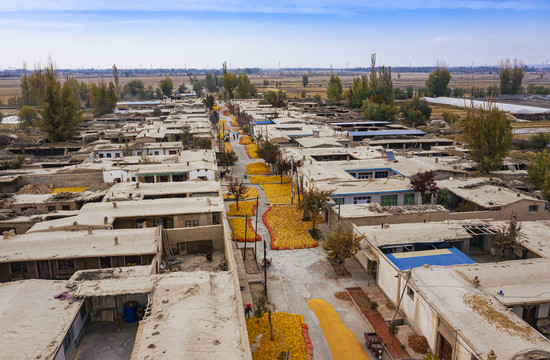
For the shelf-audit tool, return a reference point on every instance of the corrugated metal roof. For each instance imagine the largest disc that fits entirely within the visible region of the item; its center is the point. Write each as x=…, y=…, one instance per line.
x=452, y=256
x=386, y=132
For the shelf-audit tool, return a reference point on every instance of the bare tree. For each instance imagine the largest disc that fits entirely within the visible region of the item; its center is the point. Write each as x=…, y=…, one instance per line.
x=237, y=189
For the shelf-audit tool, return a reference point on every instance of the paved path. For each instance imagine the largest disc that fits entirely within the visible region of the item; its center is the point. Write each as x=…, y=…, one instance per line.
x=297, y=276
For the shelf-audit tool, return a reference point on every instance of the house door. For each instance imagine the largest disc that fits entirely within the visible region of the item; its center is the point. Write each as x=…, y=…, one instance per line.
x=445, y=349
x=43, y=270
x=529, y=314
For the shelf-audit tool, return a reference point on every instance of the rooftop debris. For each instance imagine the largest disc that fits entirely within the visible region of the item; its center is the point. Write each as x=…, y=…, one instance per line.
x=34, y=189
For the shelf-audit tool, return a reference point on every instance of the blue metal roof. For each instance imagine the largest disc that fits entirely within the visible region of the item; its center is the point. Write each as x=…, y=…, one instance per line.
x=416, y=258
x=263, y=122
x=386, y=132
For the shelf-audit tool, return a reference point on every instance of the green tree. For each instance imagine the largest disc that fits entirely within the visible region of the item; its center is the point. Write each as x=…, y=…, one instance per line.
x=103, y=98
x=511, y=77
x=416, y=111
x=229, y=81
x=61, y=117
x=489, y=136
x=334, y=89
x=210, y=83
x=166, y=86
x=186, y=137
x=134, y=90
x=243, y=90
x=539, y=141
x=209, y=102
x=410, y=92
x=305, y=80
x=538, y=169
x=27, y=117
x=26, y=95
x=358, y=92
x=438, y=80
x=115, y=77
x=342, y=244
x=313, y=203
x=379, y=112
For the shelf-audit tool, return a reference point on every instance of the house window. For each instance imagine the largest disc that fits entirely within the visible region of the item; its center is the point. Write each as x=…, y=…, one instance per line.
x=172, y=152
x=380, y=174
x=66, y=264
x=19, y=269
x=388, y=200
x=339, y=201
x=364, y=175
x=408, y=199
x=132, y=260
x=105, y=262
x=149, y=179
x=191, y=223
x=101, y=156
x=66, y=207
x=410, y=292
x=156, y=153
x=361, y=200
x=109, y=155
x=178, y=178
x=51, y=208
x=215, y=218
x=163, y=178
x=117, y=155
x=533, y=208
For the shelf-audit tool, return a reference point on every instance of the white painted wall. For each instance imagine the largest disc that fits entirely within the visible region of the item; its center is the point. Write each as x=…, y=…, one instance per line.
x=195, y=174
x=109, y=176
x=112, y=152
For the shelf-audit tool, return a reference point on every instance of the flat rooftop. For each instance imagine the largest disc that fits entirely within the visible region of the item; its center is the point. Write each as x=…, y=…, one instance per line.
x=521, y=281
x=194, y=316
x=124, y=189
x=431, y=232
x=34, y=324
x=375, y=209
x=475, y=313
x=360, y=187
x=94, y=214
x=77, y=244
x=479, y=191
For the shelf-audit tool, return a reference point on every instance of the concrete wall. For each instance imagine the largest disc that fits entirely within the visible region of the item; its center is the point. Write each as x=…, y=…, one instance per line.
x=63, y=180
x=212, y=232
x=109, y=176
x=196, y=174
x=375, y=197
x=45, y=206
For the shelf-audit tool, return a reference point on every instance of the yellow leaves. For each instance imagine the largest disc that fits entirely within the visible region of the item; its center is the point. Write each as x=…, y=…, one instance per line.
x=287, y=333
x=222, y=134
x=251, y=193
x=273, y=179
x=238, y=226
x=75, y=189
x=279, y=193
x=222, y=124
x=342, y=341
x=245, y=208
x=245, y=140
x=251, y=150
x=257, y=168
x=227, y=147
x=287, y=229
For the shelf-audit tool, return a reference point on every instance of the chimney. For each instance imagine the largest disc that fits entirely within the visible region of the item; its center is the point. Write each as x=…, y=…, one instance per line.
x=436, y=160
x=144, y=224
x=11, y=232
x=129, y=195
x=476, y=284
x=6, y=235
x=114, y=204
x=188, y=163
x=491, y=355
x=90, y=230
x=137, y=185
x=315, y=133
x=105, y=220
x=116, y=240
x=75, y=223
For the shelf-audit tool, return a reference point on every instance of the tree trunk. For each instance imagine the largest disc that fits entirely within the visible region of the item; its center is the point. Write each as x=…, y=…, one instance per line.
x=313, y=218
x=270, y=325
x=237, y=201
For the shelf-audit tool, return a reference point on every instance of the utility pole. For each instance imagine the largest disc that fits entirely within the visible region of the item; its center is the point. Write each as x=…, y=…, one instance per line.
x=256, y=231
x=292, y=180
x=265, y=268
x=245, y=235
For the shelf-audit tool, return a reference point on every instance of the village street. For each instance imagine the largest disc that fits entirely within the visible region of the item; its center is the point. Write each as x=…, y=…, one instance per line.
x=296, y=276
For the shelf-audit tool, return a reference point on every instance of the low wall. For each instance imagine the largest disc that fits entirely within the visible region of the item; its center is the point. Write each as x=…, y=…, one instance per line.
x=211, y=232
x=63, y=180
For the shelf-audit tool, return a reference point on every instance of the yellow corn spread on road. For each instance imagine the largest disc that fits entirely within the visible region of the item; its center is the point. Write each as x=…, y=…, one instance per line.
x=341, y=340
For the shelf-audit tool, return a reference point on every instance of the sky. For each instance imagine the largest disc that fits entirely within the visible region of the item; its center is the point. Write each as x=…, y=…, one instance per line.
x=271, y=34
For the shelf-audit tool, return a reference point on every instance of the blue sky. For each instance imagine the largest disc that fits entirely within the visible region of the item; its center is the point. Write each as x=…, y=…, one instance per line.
x=299, y=33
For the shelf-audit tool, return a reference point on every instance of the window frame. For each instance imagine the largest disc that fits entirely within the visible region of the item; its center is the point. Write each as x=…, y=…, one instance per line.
x=384, y=200
x=65, y=264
